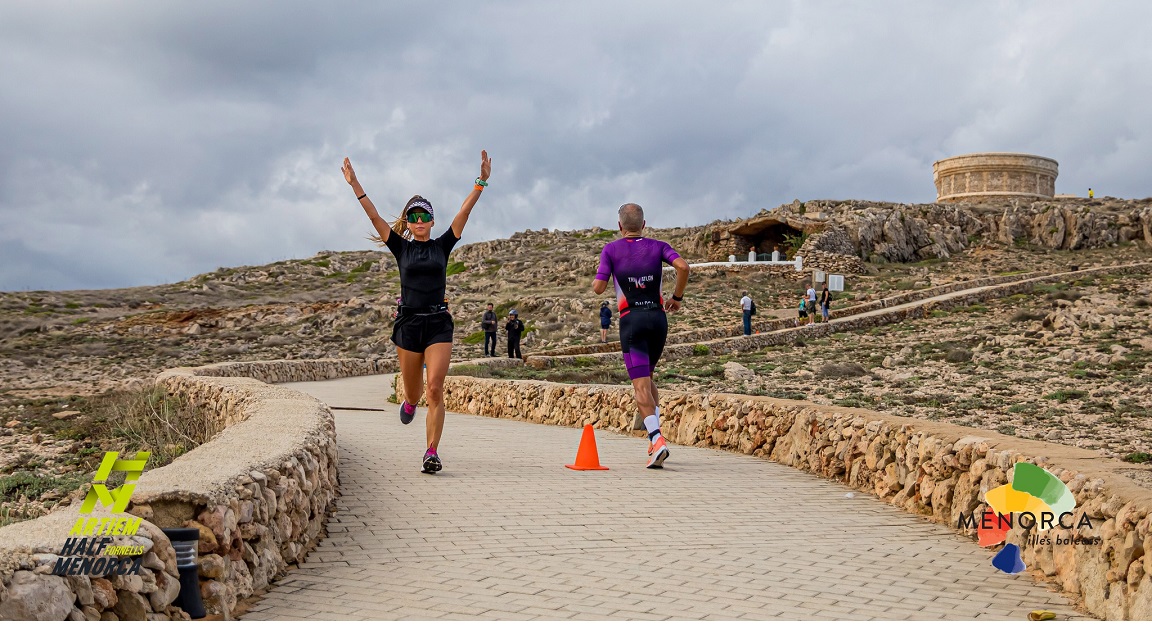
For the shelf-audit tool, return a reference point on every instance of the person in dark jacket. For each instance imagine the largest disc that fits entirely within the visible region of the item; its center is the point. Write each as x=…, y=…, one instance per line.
x=488, y=325
x=514, y=328
x=605, y=321
x=825, y=303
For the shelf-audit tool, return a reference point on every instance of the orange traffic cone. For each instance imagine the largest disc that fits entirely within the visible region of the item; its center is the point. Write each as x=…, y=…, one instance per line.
x=587, y=459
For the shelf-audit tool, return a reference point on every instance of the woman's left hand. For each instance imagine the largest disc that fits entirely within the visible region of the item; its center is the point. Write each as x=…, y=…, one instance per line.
x=485, y=165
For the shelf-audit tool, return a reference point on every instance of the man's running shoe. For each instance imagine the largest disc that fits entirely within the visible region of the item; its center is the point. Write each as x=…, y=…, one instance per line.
x=657, y=453
x=432, y=462
x=407, y=412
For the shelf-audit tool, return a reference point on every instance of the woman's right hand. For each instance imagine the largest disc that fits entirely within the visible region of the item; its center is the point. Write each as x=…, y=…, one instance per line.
x=349, y=173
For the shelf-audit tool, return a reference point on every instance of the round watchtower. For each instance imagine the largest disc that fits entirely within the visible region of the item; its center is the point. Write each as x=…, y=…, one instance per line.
x=993, y=174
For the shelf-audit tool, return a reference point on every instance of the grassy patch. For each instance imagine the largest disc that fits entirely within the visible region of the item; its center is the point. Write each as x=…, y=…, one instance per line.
x=455, y=268
x=502, y=309
x=1026, y=316
x=474, y=338
x=958, y=356
x=33, y=485
x=785, y=395
x=1138, y=457
x=1063, y=395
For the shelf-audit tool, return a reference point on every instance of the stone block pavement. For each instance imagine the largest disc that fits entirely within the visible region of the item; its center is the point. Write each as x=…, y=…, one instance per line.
x=506, y=532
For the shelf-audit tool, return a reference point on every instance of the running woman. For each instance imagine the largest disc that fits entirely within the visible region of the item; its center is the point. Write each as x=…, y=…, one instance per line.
x=422, y=331
x=635, y=264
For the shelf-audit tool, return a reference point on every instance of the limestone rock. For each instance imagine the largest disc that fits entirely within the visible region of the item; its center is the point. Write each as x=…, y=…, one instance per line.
x=168, y=589
x=82, y=587
x=103, y=593
x=131, y=606
x=37, y=597
x=212, y=566
x=738, y=372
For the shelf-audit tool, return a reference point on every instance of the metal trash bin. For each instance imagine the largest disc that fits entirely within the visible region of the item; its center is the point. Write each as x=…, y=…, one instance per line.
x=186, y=542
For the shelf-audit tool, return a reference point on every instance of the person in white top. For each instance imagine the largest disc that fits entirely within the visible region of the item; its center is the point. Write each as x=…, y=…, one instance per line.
x=746, y=308
x=810, y=295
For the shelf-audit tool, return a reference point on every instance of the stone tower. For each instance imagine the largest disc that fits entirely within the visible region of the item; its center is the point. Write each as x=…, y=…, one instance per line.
x=991, y=174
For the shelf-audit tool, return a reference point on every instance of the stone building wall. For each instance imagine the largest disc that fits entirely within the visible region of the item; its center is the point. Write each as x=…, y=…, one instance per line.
x=994, y=174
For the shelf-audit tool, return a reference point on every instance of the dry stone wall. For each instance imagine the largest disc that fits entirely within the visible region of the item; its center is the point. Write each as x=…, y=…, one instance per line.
x=277, y=371
x=931, y=469
x=258, y=492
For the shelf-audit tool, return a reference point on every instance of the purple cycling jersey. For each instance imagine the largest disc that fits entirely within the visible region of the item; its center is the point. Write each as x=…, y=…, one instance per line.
x=636, y=265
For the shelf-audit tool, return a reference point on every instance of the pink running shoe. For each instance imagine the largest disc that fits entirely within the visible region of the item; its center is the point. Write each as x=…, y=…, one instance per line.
x=657, y=453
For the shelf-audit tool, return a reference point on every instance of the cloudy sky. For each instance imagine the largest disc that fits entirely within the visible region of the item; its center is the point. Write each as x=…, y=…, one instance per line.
x=146, y=142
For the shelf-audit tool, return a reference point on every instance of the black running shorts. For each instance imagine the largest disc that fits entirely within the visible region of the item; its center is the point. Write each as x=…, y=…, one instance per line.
x=417, y=332
x=642, y=337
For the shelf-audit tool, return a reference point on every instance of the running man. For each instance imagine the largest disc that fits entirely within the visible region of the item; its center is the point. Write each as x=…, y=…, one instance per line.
x=422, y=331
x=635, y=264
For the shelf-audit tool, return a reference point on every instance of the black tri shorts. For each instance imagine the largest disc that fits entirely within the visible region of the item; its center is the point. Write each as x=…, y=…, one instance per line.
x=643, y=334
x=417, y=332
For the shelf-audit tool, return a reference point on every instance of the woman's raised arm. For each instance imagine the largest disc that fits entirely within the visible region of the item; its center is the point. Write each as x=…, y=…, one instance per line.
x=461, y=219
x=382, y=227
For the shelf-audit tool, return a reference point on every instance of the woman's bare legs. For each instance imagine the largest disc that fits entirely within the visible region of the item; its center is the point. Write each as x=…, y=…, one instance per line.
x=412, y=372
x=437, y=357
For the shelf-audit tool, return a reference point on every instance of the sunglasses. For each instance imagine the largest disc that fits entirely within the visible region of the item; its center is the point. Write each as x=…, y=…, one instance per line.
x=419, y=217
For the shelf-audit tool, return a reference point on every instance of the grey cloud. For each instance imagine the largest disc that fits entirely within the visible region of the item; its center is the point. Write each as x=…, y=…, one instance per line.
x=155, y=141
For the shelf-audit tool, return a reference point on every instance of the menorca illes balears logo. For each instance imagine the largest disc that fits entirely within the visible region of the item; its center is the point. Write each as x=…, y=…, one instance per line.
x=1034, y=499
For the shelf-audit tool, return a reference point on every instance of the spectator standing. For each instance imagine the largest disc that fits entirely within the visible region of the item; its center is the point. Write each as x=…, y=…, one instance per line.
x=810, y=296
x=514, y=327
x=746, y=310
x=488, y=325
x=825, y=303
x=605, y=321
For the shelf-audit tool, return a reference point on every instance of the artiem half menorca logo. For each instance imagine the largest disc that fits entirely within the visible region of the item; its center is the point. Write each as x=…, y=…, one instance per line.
x=1035, y=498
x=82, y=555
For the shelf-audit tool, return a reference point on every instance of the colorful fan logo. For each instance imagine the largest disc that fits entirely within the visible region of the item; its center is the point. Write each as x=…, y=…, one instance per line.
x=1034, y=496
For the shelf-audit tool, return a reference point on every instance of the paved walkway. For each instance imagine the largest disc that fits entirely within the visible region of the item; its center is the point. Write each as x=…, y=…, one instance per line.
x=506, y=532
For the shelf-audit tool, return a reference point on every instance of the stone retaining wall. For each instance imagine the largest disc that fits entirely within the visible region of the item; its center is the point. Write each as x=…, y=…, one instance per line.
x=778, y=331
x=932, y=469
x=284, y=370
x=258, y=491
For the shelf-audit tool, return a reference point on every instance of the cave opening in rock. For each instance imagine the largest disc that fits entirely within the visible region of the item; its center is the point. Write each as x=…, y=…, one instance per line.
x=765, y=236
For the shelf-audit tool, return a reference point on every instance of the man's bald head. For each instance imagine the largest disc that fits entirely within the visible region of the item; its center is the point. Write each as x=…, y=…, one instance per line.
x=631, y=217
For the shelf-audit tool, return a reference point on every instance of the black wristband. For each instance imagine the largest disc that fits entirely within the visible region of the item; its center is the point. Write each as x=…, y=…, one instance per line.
x=675, y=298
x=361, y=197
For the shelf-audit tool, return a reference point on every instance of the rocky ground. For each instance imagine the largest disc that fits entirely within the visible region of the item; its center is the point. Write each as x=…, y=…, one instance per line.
x=1068, y=364
x=49, y=447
